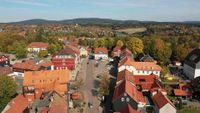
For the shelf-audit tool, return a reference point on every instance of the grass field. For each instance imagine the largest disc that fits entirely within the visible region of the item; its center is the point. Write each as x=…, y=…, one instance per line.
x=132, y=30
x=189, y=110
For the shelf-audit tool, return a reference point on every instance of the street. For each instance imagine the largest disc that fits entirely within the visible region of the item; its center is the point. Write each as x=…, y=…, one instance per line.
x=91, y=84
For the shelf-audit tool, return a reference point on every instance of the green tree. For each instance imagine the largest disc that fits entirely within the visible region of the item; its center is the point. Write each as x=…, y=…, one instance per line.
x=79, y=83
x=8, y=89
x=104, y=85
x=52, y=48
x=119, y=43
x=135, y=45
x=181, y=51
x=43, y=53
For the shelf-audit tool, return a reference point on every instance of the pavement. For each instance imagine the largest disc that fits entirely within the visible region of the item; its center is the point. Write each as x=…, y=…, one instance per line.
x=88, y=73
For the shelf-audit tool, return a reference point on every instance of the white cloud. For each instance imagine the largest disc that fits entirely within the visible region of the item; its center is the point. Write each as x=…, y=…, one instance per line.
x=29, y=2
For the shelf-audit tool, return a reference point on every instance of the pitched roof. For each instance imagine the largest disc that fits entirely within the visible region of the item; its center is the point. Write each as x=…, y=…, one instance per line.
x=5, y=70
x=38, y=45
x=128, y=61
x=146, y=82
x=48, y=80
x=130, y=89
x=117, y=48
x=101, y=50
x=193, y=58
x=184, y=90
x=69, y=50
x=128, y=109
x=17, y=105
x=161, y=100
x=27, y=65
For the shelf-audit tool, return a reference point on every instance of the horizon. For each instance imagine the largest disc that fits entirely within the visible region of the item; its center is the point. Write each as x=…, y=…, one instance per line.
x=143, y=10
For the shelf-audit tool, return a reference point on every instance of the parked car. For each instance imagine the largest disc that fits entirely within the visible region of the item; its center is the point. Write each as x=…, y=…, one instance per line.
x=90, y=105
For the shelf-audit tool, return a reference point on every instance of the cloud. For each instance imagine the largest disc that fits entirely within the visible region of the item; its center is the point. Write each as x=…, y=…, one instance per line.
x=29, y=2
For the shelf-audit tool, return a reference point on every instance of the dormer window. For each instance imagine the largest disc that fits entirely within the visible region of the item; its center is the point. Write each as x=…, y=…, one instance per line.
x=127, y=99
x=125, y=94
x=122, y=99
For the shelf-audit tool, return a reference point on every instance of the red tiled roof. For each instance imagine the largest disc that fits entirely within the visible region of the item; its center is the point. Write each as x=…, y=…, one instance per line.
x=48, y=80
x=128, y=109
x=38, y=45
x=130, y=89
x=161, y=100
x=18, y=104
x=73, y=48
x=5, y=70
x=117, y=48
x=145, y=81
x=27, y=65
x=101, y=50
x=128, y=61
x=184, y=90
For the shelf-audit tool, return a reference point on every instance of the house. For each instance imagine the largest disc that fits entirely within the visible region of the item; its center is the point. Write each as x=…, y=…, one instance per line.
x=145, y=58
x=17, y=105
x=162, y=103
x=144, y=83
x=100, y=53
x=4, y=61
x=116, y=51
x=125, y=52
x=30, y=65
x=46, y=81
x=127, y=93
x=184, y=90
x=67, y=58
x=139, y=68
x=6, y=71
x=191, y=67
x=50, y=102
x=37, y=47
x=127, y=109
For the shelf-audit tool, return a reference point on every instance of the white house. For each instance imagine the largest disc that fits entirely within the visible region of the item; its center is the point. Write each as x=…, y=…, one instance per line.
x=37, y=47
x=139, y=68
x=191, y=67
x=100, y=53
x=163, y=104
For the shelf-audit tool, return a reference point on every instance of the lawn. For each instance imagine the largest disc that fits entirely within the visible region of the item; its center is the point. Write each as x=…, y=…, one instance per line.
x=189, y=110
x=132, y=30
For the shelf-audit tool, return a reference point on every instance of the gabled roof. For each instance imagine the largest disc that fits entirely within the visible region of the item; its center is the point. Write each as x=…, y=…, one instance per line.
x=17, y=105
x=117, y=48
x=127, y=60
x=48, y=80
x=183, y=90
x=130, y=89
x=5, y=70
x=126, y=52
x=38, y=45
x=128, y=109
x=101, y=51
x=193, y=58
x=26, y=65
x=161, y=100
x=124, y=75
x=69, y=50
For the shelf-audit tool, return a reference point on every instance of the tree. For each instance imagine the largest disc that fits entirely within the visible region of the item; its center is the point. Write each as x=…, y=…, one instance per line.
x=119, y=43
x=99, y=43
x=52, y=48
x=79, y=83
x=165, y=71
x=43, y=53
x=181, y=51
x=8, y=89
x=135, y=45
x=104, y=85
x=19, y=49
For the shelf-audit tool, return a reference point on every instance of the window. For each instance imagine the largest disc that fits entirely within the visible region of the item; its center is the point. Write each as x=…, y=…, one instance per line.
x=125, y=94
x=122, y=99
x=142, y=80
x=127, y=99
x=40, y=81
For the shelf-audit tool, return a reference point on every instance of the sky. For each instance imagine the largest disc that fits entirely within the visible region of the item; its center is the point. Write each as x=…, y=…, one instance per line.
x=143, y=10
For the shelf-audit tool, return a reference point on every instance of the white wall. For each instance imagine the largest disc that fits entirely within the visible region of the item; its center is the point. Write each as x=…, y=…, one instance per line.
x=36, y=49
x=137, y=72
x=99, y=56
x=197, y=73
x=168, y=108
